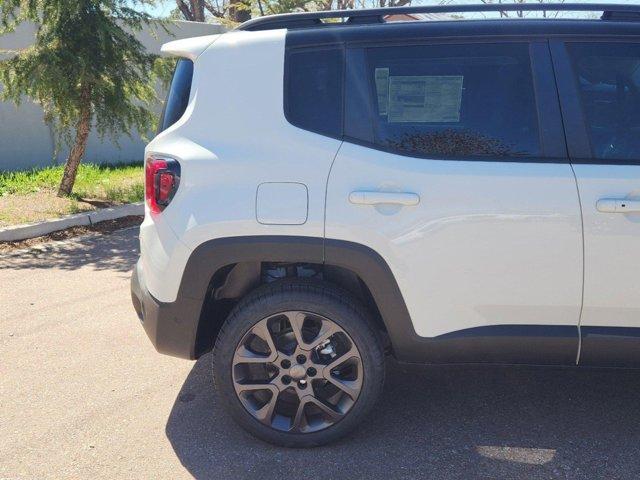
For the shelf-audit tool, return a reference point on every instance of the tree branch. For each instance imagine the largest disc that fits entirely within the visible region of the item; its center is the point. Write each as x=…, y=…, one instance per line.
x=216, y=11
x=184, y=8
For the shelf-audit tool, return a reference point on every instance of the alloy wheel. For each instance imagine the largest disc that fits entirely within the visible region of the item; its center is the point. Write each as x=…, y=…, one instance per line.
x=297, y=372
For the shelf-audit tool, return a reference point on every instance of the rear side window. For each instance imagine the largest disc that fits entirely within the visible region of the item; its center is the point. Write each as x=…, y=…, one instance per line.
x=474, y=100
x=608, y=79
x=178, y=95
x=313, y=90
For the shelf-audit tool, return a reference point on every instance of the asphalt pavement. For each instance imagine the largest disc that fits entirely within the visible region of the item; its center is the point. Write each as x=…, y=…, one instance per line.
x=83, y=394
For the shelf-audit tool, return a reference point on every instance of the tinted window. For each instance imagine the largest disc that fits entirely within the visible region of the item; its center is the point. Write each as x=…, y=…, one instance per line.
x=178, y=95
x=608, y=77
x=453, y=100
x=313, y=97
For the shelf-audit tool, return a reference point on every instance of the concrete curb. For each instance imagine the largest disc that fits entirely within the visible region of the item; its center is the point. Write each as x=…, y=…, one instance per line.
x=32, y=230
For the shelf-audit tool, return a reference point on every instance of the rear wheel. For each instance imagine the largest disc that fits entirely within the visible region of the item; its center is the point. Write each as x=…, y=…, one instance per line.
x=298, y=363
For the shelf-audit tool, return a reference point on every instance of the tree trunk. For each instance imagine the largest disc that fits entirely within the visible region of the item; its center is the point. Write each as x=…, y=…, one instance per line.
x=77, y=151
x=197, y=7
x=192, y=10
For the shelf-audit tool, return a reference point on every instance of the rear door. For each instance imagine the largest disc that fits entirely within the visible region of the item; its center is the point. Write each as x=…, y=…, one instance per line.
x=600, y=90
x=454, y=170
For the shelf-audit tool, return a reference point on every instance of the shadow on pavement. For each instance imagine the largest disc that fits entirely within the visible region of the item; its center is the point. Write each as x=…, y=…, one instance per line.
x=117, y=251
x=449, y=422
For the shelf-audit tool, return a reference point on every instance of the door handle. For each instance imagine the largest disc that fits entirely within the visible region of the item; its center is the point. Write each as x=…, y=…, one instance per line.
x=616, y=205
x=389, y=198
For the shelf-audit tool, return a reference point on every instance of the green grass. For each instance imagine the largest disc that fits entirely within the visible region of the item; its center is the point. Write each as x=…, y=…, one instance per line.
x=113, y=183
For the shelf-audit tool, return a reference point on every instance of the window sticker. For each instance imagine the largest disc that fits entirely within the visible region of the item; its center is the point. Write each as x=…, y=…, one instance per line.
x=424, y=99
x=382, y=88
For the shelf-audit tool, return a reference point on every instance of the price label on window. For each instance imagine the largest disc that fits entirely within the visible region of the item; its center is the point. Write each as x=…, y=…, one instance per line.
x=424, y=99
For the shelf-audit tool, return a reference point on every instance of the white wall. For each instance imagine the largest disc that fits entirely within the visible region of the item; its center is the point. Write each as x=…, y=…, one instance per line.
x=27, y=141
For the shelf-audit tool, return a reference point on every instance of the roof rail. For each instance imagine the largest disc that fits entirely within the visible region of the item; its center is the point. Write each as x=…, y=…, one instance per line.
x=377, y=15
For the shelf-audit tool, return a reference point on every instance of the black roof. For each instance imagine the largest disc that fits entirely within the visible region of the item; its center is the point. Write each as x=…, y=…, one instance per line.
x=406, y=32
x=610, y=13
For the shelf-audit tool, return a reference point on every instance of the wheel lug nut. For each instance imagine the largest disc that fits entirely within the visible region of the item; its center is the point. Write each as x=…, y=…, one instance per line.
x=311, y=372
x=285, y=364
x=286, y=379
x=301, y=358
x=302, y=384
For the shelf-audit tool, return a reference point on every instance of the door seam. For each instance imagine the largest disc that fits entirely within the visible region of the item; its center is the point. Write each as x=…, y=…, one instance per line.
x=575, y=177
x=326, y=193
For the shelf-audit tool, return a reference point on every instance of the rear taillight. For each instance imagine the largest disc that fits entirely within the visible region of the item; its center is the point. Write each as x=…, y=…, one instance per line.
x=162, y=177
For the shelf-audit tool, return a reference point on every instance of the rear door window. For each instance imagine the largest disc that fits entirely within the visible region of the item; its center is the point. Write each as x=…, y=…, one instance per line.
x=608, y=81
x=473, y=100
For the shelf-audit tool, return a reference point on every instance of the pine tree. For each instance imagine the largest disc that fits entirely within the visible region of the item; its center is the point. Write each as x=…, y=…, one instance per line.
x=86, y=68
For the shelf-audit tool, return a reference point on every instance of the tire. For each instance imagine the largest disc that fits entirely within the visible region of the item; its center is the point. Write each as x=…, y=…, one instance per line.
x=314, y=306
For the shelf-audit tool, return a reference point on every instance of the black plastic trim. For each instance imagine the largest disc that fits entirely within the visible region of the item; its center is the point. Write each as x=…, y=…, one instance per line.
x=552, y=137
x=610, y=346
x=507, y=344
x=578, y=143
x=356, y=98
x=172, y=327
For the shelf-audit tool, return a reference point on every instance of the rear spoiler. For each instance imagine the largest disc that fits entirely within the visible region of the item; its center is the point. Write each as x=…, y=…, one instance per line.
x=189, y=48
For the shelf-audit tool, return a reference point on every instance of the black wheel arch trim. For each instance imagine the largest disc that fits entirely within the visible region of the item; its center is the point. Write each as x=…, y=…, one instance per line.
x=376, y=274
x=357, y=258
x=173, y=327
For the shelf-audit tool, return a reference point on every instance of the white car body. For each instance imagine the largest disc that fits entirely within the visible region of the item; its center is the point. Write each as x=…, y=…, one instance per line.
x=475, y=245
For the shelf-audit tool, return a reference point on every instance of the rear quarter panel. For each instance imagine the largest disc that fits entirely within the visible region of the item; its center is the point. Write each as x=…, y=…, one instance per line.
x=233, y=137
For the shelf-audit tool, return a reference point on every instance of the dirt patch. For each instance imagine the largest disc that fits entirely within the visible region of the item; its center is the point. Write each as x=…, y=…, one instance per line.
x=39, y=206
x=105, y=227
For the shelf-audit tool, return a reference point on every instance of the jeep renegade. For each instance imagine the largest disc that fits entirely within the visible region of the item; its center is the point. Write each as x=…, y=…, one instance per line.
x=325, y=193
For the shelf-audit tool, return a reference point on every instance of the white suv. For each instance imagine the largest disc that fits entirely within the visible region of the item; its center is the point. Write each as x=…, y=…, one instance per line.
x=324, y=193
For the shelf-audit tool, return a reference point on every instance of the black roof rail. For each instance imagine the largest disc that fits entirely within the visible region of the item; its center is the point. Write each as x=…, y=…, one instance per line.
x=610, y=11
